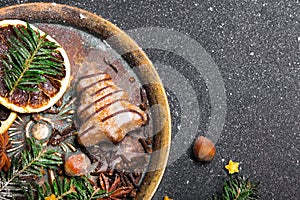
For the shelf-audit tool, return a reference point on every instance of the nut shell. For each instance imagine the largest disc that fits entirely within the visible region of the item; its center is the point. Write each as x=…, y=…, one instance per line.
x=41, y=131
x=204, y=149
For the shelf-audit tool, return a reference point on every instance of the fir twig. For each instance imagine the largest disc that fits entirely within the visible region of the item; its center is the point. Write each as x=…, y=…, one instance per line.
x=29, y=58
x=32, y=163
x=76, y=188
x=239, y=188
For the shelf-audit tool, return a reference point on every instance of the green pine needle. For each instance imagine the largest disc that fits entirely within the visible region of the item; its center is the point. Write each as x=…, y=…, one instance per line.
x=239, y=188
x=76, y=188
x=30, y=56
x=33, y=161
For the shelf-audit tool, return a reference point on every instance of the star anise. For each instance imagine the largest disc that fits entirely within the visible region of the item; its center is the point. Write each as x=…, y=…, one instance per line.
x=117, y=185
x=4, y=145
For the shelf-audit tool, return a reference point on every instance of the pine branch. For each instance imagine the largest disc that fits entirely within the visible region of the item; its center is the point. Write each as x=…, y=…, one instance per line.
x=29, y=58
x=33, y=161
x=76, y=188
x=239, y=188
x=12, y=189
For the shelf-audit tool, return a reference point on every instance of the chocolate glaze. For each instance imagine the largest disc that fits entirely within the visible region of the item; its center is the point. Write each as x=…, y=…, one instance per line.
x=120, y=112
x=100, y=99
x=87, y=130
x=109, y=104
x=95, y=83
x=101, y=90
x=103, y=107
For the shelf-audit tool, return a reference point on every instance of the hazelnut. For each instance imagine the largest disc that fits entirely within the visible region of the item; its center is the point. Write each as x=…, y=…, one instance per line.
x=41, y=131
x=204, y=149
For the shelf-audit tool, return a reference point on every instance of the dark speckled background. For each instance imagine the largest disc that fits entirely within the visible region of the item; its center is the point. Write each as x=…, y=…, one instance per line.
x=255, y=45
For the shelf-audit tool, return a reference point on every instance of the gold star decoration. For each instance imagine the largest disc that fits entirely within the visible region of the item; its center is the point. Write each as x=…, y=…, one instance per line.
x=232, y=167
x=51, y=197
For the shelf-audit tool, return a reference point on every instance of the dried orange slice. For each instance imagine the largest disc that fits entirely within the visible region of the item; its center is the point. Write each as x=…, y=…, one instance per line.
x=7, y=117
x=31, y=79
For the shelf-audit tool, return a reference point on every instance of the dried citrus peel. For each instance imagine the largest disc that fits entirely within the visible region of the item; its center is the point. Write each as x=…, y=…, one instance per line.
x=64, y=82
x=8, y=122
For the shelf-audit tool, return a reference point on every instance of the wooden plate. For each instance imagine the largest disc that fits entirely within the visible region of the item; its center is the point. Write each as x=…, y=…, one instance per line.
x=50, y=16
